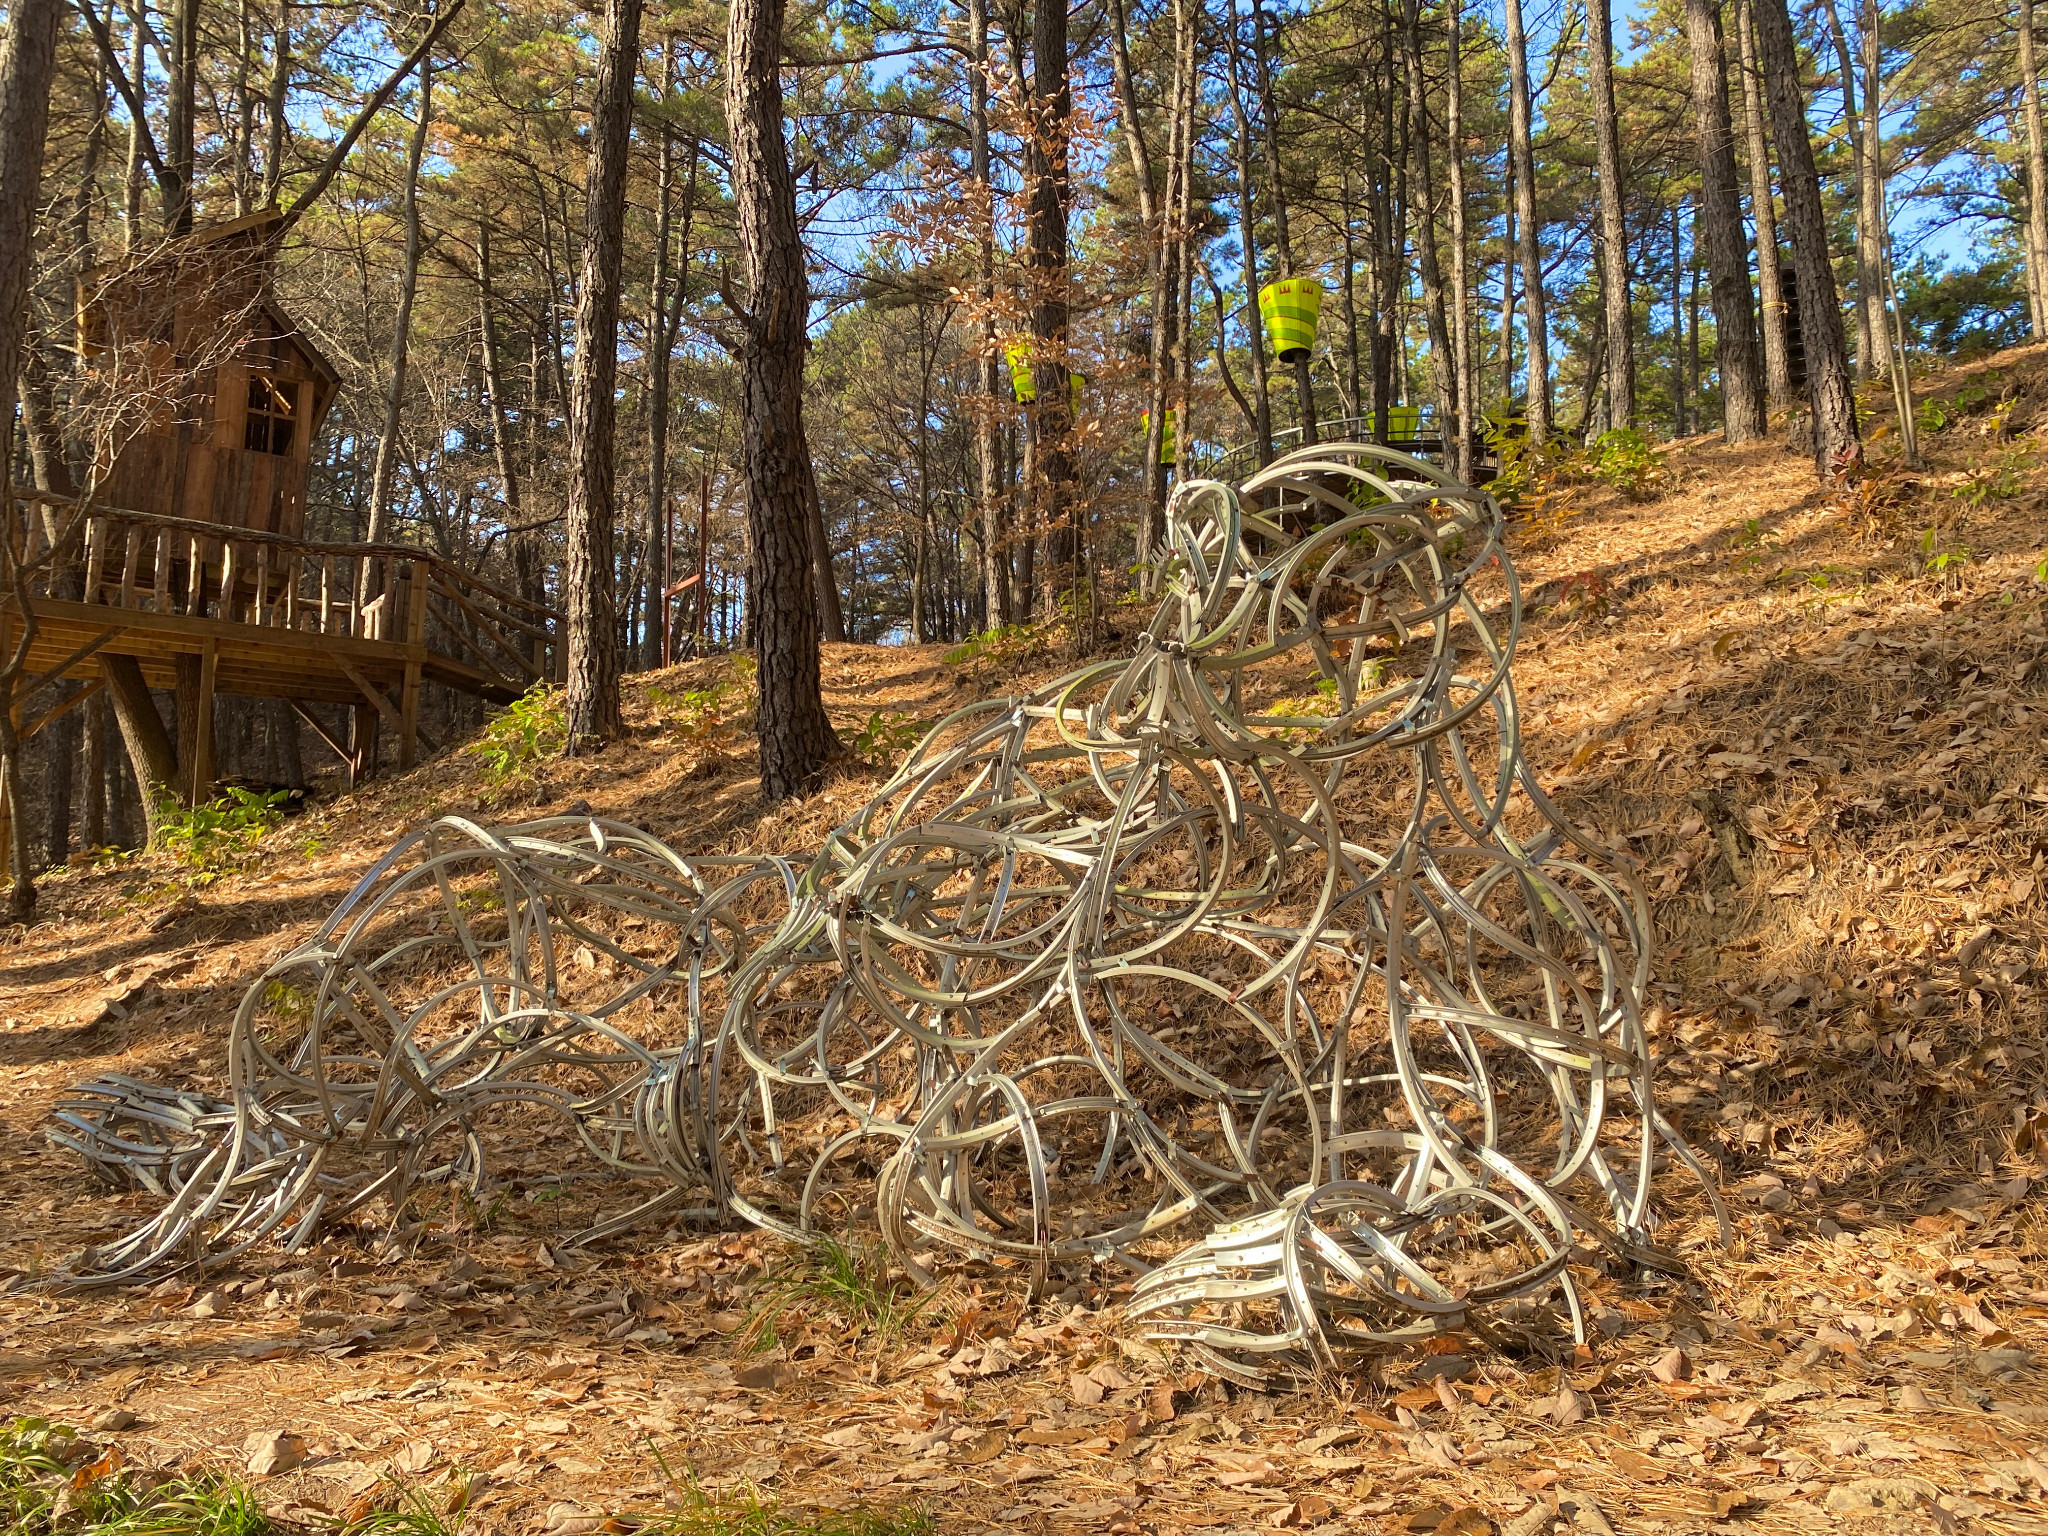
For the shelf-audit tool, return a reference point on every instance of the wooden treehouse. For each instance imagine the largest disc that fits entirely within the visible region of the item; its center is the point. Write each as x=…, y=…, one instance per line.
x=204, y=400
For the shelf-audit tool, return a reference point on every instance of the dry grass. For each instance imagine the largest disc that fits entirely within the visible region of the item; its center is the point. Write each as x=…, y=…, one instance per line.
x=1822, y=740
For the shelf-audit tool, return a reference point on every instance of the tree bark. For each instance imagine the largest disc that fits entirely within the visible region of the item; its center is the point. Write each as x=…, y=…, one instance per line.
x=1770, y=285
x=1046, y=171
x=151, y=757
x=590, y=576
x=1742, y=412
x=1461, y=283
x=386, y=466
x=1442, y=368
x=1873, y=347
x=795, y=735
x=27, y=61
x=93, y=775
x=991, y=484
x=1837, y=449
x=1614, y=276
x=180, y=110
x=1521, y=150
x=1269, y=116
x=2037, y=166
x=280, y=86
x=523, y=540
x=1247, y=225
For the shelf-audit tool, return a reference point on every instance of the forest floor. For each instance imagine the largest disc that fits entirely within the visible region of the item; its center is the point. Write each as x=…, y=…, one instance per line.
x=1817, y=719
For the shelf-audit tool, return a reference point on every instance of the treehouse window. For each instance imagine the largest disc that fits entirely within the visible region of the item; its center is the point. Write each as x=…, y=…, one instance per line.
x=273, y=419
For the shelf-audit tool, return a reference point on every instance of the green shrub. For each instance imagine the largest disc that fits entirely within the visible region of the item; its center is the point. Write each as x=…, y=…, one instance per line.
x=520, y=737
x=216, y=836
x=886, y=737
x=53, y=1481
x=1624, y=459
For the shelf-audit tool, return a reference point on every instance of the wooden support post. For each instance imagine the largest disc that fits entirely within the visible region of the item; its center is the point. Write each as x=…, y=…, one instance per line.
x=202, y=745
x=415, y=653
x=363, y=745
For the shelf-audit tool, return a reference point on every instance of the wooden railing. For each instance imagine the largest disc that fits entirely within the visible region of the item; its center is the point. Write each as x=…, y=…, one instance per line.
x=144, y=563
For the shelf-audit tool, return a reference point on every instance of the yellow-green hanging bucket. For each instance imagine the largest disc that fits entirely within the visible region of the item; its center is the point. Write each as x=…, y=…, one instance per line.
x=1167, y=452
x=1289, y=309
x=1025, y=386
x=1021, y=382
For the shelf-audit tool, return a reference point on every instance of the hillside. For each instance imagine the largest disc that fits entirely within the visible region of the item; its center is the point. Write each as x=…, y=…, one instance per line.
x=1814, y=717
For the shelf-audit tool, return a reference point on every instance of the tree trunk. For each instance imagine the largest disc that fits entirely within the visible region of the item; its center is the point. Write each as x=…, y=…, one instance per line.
x=1269, y=116
x=590, y=577
x=2037, y=165
x=1770, y=285
x=245, y=107
x=659, y=345
x=93, y=775
x=386, y=467
x=991, y=484
x=795, y=734
x=27, y=60
x=1521, y=149
x=1614, y=276
x=180, y=109
x=151, y=757
x=524, y=541
x=1742, y=412
x=1442, y=367
x=280, y=86
x=1837, y=449
x=1048, y=278
x=1461, y=284
x=1679, y=399
x=1255, y=327
x=1508, y=248
x=1873, y=348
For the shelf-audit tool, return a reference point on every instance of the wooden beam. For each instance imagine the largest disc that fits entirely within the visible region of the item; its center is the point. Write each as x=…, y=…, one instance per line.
x=64, y=707
x=415, y=646
x=51, y=674
x=202, y=748
x=313, y=721
x=369, y=691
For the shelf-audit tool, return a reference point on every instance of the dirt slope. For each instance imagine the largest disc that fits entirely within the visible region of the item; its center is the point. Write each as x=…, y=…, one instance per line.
x=1816, y=719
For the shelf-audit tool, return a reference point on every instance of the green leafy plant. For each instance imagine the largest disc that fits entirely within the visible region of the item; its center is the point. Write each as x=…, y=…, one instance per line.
x=520, y=737
x=1986, y=483
x=746, y=1512
x=53, y=1482
x=216, y=836
x=721, y=707
x=1624, y=459
x=852, y=1284
x=1947, y=564
x=405, y=1510
x=1934, y=413
x=999, y=640
x=886, y=737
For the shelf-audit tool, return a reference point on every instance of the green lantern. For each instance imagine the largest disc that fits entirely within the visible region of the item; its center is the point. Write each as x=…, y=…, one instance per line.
x=1021, y=382
x=1289, y=308
x=1167, y=452
x=1025, y=387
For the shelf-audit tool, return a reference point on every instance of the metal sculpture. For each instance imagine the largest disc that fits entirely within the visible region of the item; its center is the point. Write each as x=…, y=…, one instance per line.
x=1266, y=929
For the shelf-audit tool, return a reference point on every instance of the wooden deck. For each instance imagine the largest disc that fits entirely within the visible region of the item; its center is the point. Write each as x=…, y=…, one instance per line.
x=266, y=616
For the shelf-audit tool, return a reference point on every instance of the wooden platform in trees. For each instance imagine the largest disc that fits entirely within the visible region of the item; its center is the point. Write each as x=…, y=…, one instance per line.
x=215, y=610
